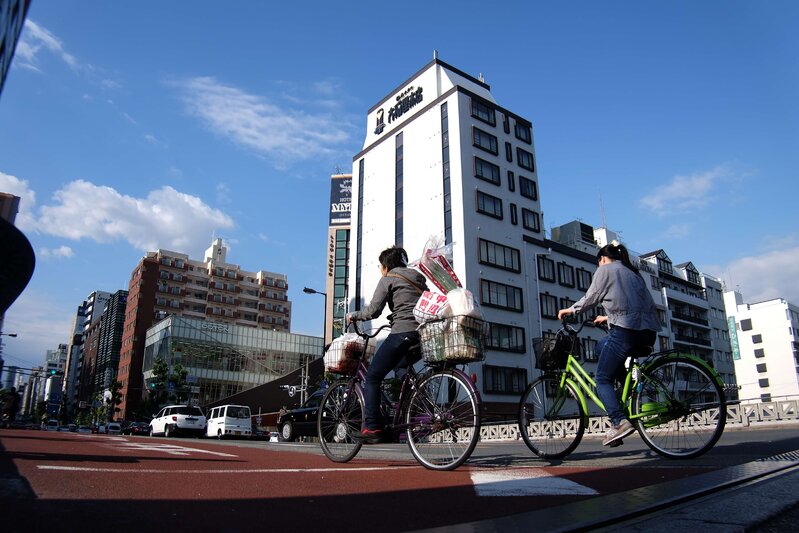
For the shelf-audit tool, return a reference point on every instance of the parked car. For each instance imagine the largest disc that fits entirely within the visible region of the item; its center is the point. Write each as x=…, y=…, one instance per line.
x=178, y=419
x=258, y=434
x=84, y=430
x=114, y=428
x=136, y=428
x=51, y=425
x=300, y=422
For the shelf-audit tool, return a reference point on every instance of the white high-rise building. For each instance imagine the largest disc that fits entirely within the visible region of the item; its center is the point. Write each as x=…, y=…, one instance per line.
x=765, y=345
x=442, y=158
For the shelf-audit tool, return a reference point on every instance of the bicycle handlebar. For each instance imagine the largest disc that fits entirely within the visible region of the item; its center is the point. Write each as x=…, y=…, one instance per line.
x=572, y=331
x=365, y=335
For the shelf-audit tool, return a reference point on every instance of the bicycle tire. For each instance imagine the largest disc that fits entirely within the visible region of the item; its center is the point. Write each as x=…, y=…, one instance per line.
x=685, y=416
x=443, y=420
x=340, y=420
x=551, y=424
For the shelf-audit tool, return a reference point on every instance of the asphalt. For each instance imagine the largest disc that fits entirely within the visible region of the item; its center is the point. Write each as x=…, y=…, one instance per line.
x=760, y=496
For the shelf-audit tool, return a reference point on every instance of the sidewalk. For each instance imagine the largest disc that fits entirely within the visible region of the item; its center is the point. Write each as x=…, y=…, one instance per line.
x=758, y=494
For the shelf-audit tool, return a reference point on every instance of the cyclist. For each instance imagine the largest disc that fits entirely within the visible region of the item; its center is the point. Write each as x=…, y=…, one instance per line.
x=400, y=288
x=633, y=321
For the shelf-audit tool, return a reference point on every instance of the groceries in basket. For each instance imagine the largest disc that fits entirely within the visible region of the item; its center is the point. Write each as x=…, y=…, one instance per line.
x=455, y=339
x=345, y=352
x=462, y=302
x=435, y=263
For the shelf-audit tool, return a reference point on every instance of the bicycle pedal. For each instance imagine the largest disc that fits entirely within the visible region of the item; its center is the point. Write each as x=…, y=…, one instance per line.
x=615, y=443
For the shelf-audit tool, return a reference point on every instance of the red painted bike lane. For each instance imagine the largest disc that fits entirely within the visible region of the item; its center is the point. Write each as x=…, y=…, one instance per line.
x=196, y=485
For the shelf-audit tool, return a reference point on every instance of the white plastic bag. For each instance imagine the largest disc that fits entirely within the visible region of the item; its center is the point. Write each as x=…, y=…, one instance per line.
x=345, y=352
x=461, y=302
x=431, y=305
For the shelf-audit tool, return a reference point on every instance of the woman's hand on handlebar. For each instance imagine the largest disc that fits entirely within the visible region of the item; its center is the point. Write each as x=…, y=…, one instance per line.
x=563, y=313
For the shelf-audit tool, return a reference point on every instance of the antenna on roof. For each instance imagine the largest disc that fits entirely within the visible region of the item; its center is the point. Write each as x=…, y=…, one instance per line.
x=481, y=78
x=435, y=54
x=602, y=212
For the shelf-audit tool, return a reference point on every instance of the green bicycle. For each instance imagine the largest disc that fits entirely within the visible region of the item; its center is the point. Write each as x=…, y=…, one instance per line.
x=675, y=401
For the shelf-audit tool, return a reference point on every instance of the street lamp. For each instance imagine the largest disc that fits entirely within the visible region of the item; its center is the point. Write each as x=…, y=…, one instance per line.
x=308, y=290
x=8, y=334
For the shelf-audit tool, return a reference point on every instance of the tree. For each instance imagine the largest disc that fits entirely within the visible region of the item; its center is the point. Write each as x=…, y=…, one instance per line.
x=178, y=380
x=113, y=400
x=157, y=386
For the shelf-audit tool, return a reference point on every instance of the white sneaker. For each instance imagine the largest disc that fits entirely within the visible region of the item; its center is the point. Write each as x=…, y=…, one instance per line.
x=618, y=432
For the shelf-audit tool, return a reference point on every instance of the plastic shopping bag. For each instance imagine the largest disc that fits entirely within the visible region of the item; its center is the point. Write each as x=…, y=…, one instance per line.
x=461, y=302
x=344, y=353
x=431, y=305
x=435, y=264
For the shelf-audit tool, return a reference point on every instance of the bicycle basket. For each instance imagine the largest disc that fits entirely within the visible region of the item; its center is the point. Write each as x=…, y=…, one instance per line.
x=345, y=352
x=551, y=353
x=455, y=339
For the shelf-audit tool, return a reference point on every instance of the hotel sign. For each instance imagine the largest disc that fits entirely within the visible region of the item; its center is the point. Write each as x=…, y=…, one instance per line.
x=340, y=200
x=736, y=350
x=405, y=101
x=211, y=326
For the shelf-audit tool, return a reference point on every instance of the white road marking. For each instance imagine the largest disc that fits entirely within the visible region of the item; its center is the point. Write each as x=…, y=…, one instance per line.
x=525, y=482
x=217, y=470
x=171, y=449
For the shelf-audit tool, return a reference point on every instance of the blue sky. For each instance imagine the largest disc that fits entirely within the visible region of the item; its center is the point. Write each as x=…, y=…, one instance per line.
x=127, y=127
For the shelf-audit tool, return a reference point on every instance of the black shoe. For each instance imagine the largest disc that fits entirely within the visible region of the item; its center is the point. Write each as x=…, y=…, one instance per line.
x=615, y=443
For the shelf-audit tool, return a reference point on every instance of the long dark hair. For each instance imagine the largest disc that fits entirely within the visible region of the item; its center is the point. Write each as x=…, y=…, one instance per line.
x=617, y=252
x=393, y=257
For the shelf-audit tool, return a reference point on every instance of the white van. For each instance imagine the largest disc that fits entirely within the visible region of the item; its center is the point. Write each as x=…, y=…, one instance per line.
x=229, y=421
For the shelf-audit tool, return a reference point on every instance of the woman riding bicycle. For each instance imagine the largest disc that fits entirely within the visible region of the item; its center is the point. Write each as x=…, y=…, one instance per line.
x=400, y=288
x=633, y=321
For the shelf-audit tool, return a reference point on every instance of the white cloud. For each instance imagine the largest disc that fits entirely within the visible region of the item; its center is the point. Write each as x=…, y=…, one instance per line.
x=264, y=127
x=62, y=252
x=768, y=275
x=19, y=187
x=36, y=38
x=688, y=193
x=166, y=218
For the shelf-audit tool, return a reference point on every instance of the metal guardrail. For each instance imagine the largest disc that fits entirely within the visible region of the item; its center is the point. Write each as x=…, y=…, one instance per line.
x=738, y=415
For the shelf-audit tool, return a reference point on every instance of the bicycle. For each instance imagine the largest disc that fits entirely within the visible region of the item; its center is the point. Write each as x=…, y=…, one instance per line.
x=438, y=408
x=675, y=401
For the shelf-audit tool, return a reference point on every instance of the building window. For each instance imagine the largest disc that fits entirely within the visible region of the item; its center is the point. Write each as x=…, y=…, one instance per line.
x=757, y=339
x=514, y=217
x=583, y=279
x=523, y=133
x=765, y=398
x=589, y=349
x=763, y=382
x=509, y=152
x=398, y=196
x=664, y=265
x=655, y=282
x=500, y=256
x=504, y=380
x=486, y=171
x=525, y=159
x=489, y=205
x=485, y=141
x=761, y=367
x=549, y=306
x=445, y=166
x=506, y=123
x=506, y=338
x=499, y=295
x=546, y=268
x=483, y=112
x=527, y=188
x=511, y=181
x=759, y=352
x=566, y=275
x=531, y=220
x=746, y=324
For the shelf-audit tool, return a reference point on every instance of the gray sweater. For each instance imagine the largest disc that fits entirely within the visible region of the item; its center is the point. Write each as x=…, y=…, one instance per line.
x=400, y=296
x=624, y=296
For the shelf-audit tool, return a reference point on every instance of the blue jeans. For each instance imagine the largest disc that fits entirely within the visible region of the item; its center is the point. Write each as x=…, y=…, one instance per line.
x=613, y=351
x=398, y=351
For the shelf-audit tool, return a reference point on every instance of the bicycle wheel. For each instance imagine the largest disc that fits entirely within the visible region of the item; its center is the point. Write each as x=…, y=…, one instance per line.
x=551, y=419
x=683, y=407
x=443, y=418
x=339, y=421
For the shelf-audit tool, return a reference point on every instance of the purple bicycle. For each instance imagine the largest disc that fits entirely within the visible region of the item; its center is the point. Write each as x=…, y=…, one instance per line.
x=438, y=408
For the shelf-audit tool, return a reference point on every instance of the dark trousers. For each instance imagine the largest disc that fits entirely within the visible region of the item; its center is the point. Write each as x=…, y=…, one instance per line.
x=398, y=351
x=613, y=350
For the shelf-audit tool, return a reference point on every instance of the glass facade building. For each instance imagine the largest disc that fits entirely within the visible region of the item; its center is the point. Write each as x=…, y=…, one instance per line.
x=225, y=359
